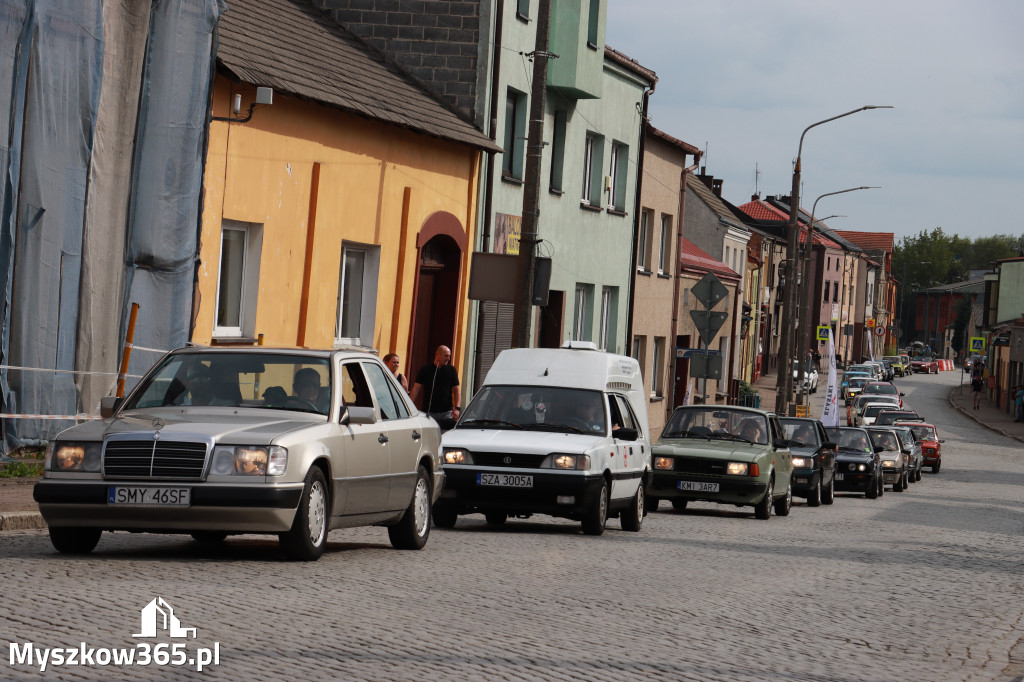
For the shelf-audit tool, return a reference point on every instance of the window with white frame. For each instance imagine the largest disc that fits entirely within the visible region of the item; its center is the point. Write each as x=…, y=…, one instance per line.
x=581, y=321
x=642, y=241
x=609, y=303
x=664, y=262
x=238, y=280
x=593, y=150
x=618, y=173
x=357, y=294
x=657, y=367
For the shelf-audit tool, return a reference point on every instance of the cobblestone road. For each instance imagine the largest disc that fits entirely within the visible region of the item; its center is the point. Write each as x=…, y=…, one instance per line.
x=921, y=585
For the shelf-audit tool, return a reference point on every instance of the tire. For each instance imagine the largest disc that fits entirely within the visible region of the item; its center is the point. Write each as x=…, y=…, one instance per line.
x=631, y=519
x=814, y=499
x=651, y=504
x=596, y=514
x=307, y=538
x=936, y=467
x=828, y=493
x=785, y=503
x=412, y=531
x=679, y=505
x=444, y=515
x=495, y=518
x=918, y=473
x=872, y=492
x=209, y=537
x=72, y=540
x=763, y=509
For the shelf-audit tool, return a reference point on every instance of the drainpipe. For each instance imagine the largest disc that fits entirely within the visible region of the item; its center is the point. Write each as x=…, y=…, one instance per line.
x=631, y=278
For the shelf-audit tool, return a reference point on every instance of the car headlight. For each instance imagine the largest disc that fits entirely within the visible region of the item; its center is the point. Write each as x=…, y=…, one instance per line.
x=737, y=469
x=249, y=460
x=889, y=464
x=457, y=457
x=73, y=456
x=803, y=462
x=664, y=463
x=567, y=462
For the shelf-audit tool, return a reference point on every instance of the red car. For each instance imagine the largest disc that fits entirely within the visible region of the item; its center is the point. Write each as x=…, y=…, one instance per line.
x=931, y=444
x=924, y=364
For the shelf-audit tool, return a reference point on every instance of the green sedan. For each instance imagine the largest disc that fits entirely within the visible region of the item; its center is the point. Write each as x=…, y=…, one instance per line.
x=729, y=455
x=900, y=367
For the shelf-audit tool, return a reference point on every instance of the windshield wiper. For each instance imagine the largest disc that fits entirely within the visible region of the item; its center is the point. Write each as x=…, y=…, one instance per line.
x=686, y=434
x=490, y=421
x=544, y=426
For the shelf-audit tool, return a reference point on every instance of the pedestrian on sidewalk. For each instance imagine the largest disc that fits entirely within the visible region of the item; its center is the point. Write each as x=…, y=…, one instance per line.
x=977, y=386
x=1019, y=401
x=436, y=390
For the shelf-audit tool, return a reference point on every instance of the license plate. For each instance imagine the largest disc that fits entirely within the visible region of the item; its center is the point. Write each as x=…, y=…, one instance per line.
x=839, y=477
x=159, y=497
x=505, y=480
x=801, y=480
x=698, y=486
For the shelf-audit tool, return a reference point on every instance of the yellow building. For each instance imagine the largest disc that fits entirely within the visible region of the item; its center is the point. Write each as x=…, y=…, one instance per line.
x=337, y=195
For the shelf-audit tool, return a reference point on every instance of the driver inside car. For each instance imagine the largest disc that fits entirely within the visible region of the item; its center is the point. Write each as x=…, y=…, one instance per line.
x=306, y=385
x=589, y=412
x=752, y=431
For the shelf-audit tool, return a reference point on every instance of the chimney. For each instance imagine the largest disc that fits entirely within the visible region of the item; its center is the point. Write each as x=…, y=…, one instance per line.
x=716, y=187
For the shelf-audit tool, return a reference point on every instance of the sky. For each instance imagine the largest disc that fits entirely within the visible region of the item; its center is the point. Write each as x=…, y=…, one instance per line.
x=742, y=79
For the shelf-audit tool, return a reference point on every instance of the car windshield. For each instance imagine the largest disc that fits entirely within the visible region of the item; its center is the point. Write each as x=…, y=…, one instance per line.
x=858, y=382
x=717, y=422
x=880, y=389
x=885, y=440
x=892, y=358
x=923, y=432
x=538, y=408
x=873, y=410
x=800, y=431
x=237, y=379
x=905, y=436
x=851, y=440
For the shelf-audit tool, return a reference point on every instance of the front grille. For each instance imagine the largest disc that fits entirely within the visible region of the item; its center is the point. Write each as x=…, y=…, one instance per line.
x=516, y=460
x=700, y=466
x=154, y=459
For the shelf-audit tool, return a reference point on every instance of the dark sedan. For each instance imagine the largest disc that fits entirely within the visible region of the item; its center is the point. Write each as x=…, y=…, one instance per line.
x=858, y=468
x=814, y=459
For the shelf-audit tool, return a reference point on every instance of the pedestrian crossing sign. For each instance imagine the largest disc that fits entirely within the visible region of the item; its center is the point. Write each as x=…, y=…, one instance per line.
x=823, y=331
x=977, y=344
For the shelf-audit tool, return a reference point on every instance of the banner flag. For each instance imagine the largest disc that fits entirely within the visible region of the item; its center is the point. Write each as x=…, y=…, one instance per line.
x=871, y=347
x=830, y=413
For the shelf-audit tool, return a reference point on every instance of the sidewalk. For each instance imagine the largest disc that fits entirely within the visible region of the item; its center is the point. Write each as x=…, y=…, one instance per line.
x=988, y=415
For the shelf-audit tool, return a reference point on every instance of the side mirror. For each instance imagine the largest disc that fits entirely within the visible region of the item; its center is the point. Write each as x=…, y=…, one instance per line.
x=357, y=415
x=625, y=434
x=829, y=445
x=109, y=405
x=902, y=394
x=942, y=440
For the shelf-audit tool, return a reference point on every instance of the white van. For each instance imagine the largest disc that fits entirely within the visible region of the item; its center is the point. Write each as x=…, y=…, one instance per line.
x=551, y=431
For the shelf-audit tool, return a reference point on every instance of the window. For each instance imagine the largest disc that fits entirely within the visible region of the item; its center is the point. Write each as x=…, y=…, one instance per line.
x=657, y=381
x=557, y=151
x=609, y=302
x=238, y=280
x=835, y=291
x=827, y=288
x=581, y=323
x=726, y=259
x=635, y=353
x=642, y=241
x=593, y=22
x=593, y=150
x=357, y=294
x=618, y=170
x=666, y=244
x=523, y=9
x=515, y=135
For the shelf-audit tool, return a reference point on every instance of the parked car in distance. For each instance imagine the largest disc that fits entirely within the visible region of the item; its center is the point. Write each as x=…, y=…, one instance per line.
x=810, y=384
x=924, y=363
x=728, y=455
x=912, y=449
x=931, y=444
x=211, y=443
x=814, y=459
x=858, y=466
x=895, y=464
x=882, y=388
x=557, y=431
x=899, y=366
x=890, y=417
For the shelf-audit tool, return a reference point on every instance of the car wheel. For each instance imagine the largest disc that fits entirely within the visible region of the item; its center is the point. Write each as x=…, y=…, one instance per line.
x=763, y=509
x=897, y=487
x=209, y=537
x=918, y=473
x=496, y=518
x=306, y=539
x=651, y=504
x=785, y=503
x=814, y=499
x=72, y=540
x=632, y=518
x=935, y=467
x=596, y=514
x=872, y=490
x=414, y=528
x=828, y=493
x=679, y=505
x=444, y=515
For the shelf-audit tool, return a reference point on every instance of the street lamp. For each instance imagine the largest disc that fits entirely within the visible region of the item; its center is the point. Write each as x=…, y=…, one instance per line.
x=805, y=297
x=784, y=384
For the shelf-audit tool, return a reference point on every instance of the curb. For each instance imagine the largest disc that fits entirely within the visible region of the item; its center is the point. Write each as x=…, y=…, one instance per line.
x=25, y=520
x=968, y=413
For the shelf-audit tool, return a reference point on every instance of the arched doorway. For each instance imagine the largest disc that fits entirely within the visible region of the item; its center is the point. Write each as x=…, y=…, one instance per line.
x=440, y=246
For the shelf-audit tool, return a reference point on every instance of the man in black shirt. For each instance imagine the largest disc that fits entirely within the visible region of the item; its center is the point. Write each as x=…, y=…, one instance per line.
x=436, y=390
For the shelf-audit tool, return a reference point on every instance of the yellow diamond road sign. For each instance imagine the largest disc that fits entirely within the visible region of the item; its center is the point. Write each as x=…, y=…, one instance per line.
x=823, y=331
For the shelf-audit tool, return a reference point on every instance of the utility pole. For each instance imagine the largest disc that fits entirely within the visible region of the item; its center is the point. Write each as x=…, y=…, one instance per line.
x=522, y=312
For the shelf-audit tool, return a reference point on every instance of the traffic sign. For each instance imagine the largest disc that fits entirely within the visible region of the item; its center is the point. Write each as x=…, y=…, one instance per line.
x=706, y=366
x=977, y=344
x=869, y=323
x=709, y=290
x=879, y=331
x=823, y=331
x=708, y=323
